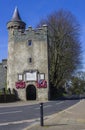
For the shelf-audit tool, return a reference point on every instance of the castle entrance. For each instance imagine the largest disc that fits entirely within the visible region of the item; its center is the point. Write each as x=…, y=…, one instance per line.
x=31, y=92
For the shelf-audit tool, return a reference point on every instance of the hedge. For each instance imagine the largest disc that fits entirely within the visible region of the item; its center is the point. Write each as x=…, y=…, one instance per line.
x=4, y=98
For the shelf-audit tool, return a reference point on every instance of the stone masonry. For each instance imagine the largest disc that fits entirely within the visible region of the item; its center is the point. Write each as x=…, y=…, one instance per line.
x=27, y=55
x=3, y=73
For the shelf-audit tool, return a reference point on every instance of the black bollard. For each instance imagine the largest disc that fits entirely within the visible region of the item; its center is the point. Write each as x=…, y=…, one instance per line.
x=41, y=114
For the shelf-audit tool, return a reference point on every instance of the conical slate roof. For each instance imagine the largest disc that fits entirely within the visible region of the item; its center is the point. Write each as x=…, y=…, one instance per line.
x=16, y=16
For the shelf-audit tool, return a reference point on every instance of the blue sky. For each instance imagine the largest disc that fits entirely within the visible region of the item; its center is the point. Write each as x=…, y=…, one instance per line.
x=31, y=11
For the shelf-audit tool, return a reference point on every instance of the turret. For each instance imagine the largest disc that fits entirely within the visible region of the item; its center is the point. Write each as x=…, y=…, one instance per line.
x=16, y=22
x=14, y=26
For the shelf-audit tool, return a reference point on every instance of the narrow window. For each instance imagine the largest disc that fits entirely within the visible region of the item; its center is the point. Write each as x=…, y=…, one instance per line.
x=30, y=60
x=29, y=42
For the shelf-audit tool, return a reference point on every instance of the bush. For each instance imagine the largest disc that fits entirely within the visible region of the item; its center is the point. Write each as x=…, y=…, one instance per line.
x=4, y=98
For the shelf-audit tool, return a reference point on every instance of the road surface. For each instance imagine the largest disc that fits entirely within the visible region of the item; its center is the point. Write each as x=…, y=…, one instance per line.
x=19, y=117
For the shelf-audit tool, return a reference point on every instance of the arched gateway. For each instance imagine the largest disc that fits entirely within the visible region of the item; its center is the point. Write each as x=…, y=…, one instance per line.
x=31, y=92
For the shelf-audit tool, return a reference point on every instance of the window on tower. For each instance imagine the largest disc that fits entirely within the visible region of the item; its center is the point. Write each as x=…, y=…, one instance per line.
x=29, y=42
x=30, y=60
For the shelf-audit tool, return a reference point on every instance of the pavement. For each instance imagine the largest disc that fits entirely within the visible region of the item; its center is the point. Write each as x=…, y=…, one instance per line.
x=72, y=118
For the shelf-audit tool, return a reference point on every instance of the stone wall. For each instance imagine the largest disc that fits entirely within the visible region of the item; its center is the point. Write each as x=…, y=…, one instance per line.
x=19, y=54
x=3, y=74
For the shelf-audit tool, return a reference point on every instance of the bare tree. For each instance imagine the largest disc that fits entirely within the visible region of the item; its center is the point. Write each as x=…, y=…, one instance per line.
x=64, y=46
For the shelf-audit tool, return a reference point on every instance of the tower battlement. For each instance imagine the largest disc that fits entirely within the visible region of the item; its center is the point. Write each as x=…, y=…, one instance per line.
x=30, y=33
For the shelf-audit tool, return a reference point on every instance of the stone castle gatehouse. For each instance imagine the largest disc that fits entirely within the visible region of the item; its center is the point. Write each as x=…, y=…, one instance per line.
x=27, y=64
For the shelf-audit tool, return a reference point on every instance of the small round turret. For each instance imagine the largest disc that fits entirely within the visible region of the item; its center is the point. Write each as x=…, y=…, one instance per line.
x=16, y=22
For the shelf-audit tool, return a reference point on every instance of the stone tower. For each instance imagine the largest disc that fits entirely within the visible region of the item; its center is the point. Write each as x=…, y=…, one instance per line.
x=27, y=64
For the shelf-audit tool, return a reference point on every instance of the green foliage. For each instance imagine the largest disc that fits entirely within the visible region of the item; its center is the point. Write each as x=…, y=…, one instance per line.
x=8, y=98
x=57, y=92
x=0, y=92
x=78, y=85
x=4, y=91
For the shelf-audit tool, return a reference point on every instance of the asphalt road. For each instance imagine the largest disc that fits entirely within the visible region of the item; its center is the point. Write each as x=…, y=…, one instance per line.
x=19, y=117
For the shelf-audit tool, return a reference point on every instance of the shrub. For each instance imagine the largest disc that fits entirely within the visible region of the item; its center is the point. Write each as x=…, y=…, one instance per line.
x=4, y=98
